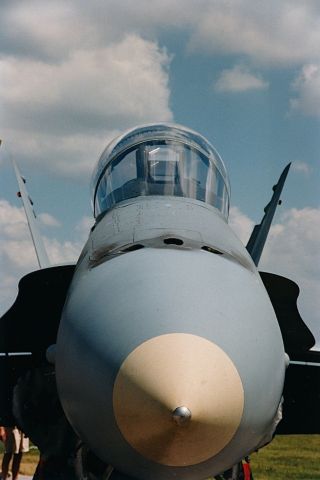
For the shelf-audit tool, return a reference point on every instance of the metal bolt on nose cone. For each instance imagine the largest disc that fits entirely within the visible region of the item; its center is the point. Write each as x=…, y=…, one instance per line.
x=181, y=416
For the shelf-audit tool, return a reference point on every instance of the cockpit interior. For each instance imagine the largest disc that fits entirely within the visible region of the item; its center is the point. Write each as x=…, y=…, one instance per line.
x=160, y=159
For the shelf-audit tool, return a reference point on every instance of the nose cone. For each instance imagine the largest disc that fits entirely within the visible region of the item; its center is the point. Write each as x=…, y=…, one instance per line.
x=178, y=399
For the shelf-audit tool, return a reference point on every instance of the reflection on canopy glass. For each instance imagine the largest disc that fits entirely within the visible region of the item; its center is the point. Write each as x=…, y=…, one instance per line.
x=161, y=167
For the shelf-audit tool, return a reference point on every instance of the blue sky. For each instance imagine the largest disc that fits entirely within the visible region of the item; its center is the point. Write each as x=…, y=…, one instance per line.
x=245, y=74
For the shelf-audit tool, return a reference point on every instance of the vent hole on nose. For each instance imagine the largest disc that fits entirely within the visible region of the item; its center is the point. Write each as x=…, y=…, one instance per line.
x=132, y=248
x=173, y=241
x=211, y=250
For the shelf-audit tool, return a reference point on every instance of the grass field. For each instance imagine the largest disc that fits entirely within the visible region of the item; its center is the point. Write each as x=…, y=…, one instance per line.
x=295, y=457
x=29, y=460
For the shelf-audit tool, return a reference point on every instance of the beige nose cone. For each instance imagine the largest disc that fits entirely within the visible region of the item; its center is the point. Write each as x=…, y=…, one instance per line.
x=178, y=399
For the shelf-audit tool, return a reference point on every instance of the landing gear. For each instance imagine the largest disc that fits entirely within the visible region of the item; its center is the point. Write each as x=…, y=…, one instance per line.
x=37, y=410
x=240, y=471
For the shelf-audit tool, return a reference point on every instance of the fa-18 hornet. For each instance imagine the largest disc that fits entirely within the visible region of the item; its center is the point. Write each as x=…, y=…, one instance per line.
x=163, y=353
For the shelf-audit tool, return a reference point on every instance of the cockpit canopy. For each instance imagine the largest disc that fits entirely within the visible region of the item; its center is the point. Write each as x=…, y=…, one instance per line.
x=160, y=159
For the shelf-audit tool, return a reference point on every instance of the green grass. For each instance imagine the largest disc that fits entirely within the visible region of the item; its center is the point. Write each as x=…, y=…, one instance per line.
x=294, y=457
x=288, y=457
x=29, y=460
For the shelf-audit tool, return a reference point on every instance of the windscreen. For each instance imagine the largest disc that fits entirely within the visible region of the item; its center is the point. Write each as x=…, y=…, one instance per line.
x=166, y=167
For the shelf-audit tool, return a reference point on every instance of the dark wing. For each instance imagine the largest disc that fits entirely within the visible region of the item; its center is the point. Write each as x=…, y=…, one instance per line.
x=29, y=327
x=28, y=392
x=301, y=412
x=283, y=293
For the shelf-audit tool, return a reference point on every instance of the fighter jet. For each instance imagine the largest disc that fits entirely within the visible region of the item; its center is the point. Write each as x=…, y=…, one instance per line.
x=163, y=353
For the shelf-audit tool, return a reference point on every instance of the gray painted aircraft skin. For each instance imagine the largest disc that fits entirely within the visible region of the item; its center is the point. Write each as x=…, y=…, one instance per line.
x=119, y=304
x=164, y=344
x=155, y=268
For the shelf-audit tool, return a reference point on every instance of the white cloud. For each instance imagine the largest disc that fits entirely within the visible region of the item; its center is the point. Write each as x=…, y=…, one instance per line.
x=286, y=32
x=302, y=167
x=17, y=255
x=241, y=224
x=83, y=227
x=296, y=244
x=45, y=30
x=239, y=79
x=48, y=220
x=307, y=86
x=62, y=252
x=292, y=250
x=63, y=113
x=75, y=73
x=277, y=33
x=120, y=82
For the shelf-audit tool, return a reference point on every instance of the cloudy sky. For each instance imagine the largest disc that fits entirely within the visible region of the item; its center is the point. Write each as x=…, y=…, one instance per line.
x=244, y=73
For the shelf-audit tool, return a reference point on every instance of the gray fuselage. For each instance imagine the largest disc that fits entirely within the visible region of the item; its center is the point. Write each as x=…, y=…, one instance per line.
x=166, y=306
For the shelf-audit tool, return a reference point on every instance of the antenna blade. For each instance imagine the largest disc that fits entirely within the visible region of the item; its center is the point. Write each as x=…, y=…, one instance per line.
x=37, y=240
x=260, y=232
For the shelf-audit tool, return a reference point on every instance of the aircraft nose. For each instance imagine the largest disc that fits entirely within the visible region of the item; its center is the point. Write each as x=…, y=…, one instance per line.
x=178, y=399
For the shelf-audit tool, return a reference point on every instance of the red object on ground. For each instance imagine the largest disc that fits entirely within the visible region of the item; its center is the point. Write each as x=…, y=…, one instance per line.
x=247, y=471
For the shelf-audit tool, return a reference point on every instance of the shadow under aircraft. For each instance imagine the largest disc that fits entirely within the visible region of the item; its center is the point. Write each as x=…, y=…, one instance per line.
x=164, y=352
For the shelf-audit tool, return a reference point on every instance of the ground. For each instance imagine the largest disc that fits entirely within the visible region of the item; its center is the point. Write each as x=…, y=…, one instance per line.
x=294, y=457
